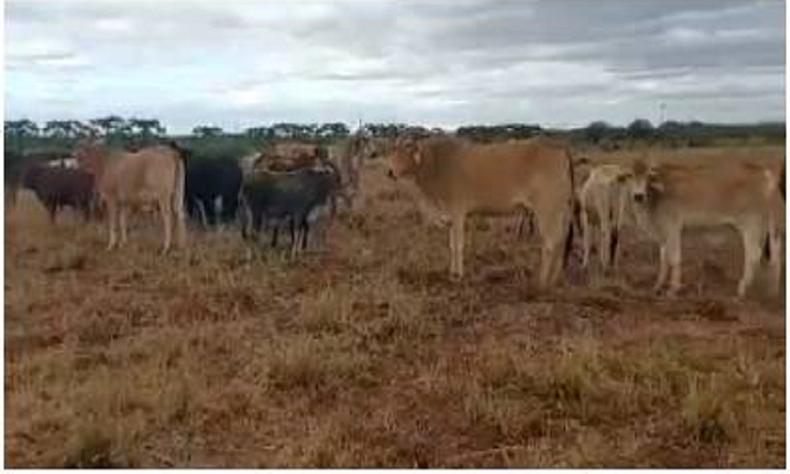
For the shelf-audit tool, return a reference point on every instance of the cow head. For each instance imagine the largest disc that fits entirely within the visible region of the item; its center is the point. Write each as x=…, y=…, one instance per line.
x=90, y=156
x=365, y=146
x=404, y=157
x=644, y=182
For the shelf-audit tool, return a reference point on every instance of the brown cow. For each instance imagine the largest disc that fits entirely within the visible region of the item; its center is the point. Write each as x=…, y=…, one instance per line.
x=153, y=175
x=457, y=178
x=57, y=187
x=666, y=198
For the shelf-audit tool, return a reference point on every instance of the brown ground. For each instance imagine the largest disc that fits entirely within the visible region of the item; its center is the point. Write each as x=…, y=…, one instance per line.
x=369, y=356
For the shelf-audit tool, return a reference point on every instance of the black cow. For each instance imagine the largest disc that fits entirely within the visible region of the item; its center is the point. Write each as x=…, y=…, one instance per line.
x=208, y=179
x=56, y=187
x=293, y=197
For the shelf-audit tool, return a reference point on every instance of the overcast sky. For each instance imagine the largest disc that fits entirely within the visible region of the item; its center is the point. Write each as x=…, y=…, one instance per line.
x=446, y=63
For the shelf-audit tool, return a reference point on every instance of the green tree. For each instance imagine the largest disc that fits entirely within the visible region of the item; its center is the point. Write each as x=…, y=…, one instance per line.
x=206, y=131
x=146, y=129
x=110, y=126
x=332, y=130
x=262, y=132
x=20, y=128
x=66, y=129
x=640, y=129
x=596, y=131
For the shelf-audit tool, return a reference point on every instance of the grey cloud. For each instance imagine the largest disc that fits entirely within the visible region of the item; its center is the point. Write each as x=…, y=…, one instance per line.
x=441, y=61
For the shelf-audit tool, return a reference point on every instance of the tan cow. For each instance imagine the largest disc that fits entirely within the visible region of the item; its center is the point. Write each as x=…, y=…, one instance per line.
x=605, y=196
x=669, y=197
x=127, y=180
x=458, y=178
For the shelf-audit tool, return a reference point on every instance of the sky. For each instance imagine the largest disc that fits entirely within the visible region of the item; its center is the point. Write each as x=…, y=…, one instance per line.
x=237, y=64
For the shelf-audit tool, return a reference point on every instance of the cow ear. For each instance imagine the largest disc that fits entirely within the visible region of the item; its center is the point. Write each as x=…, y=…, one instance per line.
x=654, y=180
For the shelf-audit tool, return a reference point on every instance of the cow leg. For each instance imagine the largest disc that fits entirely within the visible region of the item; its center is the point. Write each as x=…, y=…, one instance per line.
x=211, y=211
x=123, y=218
x=274, y=234
x=614, y=245
x=558, y=254
x=305, y=233
x=605, y=236
x=520, y=224
x=674, y=261
x=451, y=233
x=775, y=261
x=293, y=231
x=618, y=225
x=230, y=206
x=190, y=205
x=177, y=211
x=245, y=219
x=752, y=250
x=457, y=247
x=256, y=222
x=662, y=268
x=112, y=217
x=553, y=246
x=87, y=210
x=775, y=249
x=52, y=209
x=586, y=236
x=296, y=234
x=200, y=209
x=166, y=213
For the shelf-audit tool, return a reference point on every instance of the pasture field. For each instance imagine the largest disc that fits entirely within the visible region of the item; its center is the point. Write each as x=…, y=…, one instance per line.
x=368, y=356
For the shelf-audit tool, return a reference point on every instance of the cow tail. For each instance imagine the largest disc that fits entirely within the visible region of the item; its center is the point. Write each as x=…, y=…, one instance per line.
x=178, y=194
x=573, y=208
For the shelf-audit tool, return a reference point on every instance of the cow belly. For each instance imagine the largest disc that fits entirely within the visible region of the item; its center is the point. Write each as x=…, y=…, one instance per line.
x=706, y=218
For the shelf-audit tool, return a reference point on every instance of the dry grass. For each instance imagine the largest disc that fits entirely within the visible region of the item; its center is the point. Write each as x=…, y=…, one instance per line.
x=369, y=356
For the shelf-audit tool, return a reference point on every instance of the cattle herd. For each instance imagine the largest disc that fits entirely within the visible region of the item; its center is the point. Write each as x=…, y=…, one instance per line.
x=300, y=187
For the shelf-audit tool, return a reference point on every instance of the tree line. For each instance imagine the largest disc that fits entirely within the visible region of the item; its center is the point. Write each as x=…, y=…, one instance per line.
x=142, y=131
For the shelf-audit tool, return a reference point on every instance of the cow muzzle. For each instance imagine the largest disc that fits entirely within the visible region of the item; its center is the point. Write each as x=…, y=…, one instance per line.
x=391, y=175
x=640, y=197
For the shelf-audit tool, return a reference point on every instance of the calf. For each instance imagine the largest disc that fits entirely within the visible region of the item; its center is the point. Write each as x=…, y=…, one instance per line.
x=605, y=196
x=296, y=197
x=207, y=180
x=457, y=178
x=59, y=187
x=667, y=198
